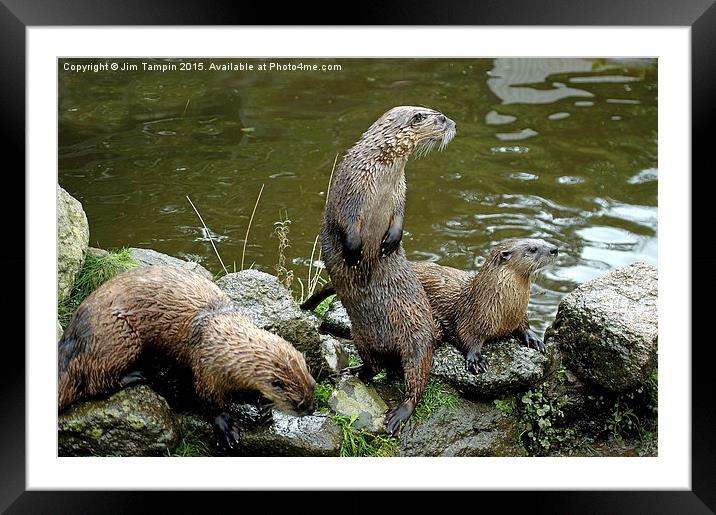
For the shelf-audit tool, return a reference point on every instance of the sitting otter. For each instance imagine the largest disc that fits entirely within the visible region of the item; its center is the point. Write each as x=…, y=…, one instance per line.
x=474, y=308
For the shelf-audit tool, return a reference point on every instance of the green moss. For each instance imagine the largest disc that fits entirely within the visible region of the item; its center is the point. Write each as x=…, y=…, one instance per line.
x=630, y=414
x=357, y=442
x=95, y=271
x=188, y=448
x=436, y=395
x=539, y=413
x=325, y=304
x=189, y=445
x=321, y=394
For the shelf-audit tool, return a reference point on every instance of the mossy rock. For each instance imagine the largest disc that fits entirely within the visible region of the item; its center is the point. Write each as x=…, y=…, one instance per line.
x=133, y=422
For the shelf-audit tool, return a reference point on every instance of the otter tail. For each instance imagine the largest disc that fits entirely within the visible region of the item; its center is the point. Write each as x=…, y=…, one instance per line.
x=69, y=381
x=318, y=297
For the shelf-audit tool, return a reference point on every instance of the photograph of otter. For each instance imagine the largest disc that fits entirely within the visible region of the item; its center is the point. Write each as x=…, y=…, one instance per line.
x=357, y=257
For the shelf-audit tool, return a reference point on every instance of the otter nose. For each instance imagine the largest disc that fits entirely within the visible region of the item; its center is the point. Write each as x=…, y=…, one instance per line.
x=306, y=404
x=554, y=251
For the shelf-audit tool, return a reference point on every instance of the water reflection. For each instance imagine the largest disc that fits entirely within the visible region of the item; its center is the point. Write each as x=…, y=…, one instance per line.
x=560, y=149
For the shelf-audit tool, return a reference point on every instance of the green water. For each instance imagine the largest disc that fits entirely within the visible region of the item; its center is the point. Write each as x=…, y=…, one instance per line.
x=560, y=149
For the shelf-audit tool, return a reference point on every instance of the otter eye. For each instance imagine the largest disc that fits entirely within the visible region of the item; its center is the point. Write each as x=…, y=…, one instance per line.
x=418, y=117
x=533, y=249
x=277, y=383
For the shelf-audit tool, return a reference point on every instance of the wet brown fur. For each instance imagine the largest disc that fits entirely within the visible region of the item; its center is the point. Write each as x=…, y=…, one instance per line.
x=475, y=308
x=188, y=318
x=389, y=311
x=472, y=309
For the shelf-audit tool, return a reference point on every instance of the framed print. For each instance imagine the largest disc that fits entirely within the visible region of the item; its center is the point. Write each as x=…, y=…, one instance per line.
x=253, y=157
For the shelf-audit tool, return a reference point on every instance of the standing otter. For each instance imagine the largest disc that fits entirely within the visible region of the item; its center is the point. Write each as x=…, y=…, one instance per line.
x=361, y=231
x=474, y=308
x=188, y=318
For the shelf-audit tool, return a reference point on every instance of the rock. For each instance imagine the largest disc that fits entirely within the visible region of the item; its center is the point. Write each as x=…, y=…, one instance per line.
x=336, y=320
x=578, y=411
x=334, y=354
x=607, y=328
x=269, y=305
x=469, y=429
x=353, y=399
x=60, y=331
x=512, y=366
x=133, y=422
x=98, y=253
x=72, y=240
x=350, y=347
x=286, y=435
x=146, y=257
x=196, y=430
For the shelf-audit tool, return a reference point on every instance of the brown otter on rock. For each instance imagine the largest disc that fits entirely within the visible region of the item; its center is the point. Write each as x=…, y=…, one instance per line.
x=361, y=231
x=188, y=318
x=475, y=308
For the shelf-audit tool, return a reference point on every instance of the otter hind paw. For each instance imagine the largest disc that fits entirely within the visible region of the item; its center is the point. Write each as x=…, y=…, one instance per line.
x=476, y=363
x=228, y=431
x=534, y=342
x=397, y=416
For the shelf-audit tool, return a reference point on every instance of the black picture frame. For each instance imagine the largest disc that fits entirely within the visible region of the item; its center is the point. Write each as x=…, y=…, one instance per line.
x=17, y=15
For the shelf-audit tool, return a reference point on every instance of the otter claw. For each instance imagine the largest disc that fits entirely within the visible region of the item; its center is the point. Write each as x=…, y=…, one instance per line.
x=477, y=364
x=396, y=417
x=390, y=242
x=533, y=341
x=228, y=431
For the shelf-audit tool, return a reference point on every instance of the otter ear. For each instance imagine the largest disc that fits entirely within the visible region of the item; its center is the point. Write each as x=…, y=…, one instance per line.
x=505, y=255
x=277, y=383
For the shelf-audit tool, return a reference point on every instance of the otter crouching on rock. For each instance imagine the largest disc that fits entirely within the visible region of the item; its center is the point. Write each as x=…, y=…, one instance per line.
x=361, y=232
x=189, y=319
x=474, y=308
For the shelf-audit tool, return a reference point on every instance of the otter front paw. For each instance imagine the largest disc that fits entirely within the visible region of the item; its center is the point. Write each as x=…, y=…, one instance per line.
x=476, y=363
x=397, y=416
x=228, y=431
x=133, y=377
x=352, y=249
x=533, y=341
x=391, y=241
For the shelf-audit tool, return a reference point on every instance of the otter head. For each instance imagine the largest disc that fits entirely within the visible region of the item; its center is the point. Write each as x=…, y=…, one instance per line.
x=286, y=380
x=522, y=255
x=406, y=130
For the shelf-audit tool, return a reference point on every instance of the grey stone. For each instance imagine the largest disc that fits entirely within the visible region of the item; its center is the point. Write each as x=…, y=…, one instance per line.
x=60, y=331
x=269, y=305
x=147, y=257
x=72, y=240
x=334, y=354
x=355, y=400
x=469, y=429
x=512, y=366
x=287, y=435
x=336, y=320
x=133, y=422
x=607, y=328
x=98, y=253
